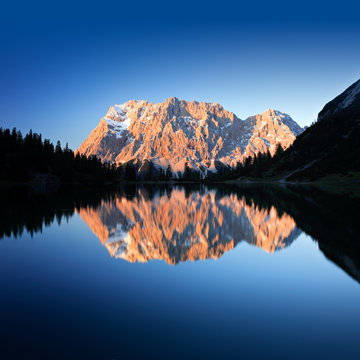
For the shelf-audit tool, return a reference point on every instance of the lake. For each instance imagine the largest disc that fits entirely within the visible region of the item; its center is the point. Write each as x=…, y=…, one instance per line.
x=180, y=272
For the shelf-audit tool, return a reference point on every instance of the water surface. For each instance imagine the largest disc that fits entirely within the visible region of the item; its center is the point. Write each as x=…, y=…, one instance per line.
x=179, y=273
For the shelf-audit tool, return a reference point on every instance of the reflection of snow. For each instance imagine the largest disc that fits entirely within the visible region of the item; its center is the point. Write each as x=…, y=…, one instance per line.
x=118, y=240
x=177, y=227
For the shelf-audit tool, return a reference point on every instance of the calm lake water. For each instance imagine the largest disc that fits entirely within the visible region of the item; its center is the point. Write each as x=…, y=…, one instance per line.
x=179, y=273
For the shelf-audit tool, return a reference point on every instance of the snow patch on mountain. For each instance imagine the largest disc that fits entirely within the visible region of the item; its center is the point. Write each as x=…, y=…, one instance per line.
x=117, y=119
x=350, y=97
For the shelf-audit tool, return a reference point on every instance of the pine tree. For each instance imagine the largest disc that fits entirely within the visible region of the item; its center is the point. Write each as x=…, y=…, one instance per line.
x=168, y=174
x=279, y=151
x=187, y=172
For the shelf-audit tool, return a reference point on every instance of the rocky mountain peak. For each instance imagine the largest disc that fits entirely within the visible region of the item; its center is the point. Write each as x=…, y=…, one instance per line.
x=172, y=100
x=269, y=112
x=174, y=132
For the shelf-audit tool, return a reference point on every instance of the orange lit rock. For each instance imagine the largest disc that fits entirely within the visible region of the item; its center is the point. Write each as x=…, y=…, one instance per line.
x=177, y=131
x=174, y=228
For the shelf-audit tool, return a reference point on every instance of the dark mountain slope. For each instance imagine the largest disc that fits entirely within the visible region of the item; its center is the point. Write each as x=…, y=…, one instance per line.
x=330, y=146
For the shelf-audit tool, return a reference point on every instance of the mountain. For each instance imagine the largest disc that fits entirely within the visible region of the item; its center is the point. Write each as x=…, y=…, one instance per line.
x=346, y=104
x=177, y=226
x=204, y=135
x=330, y=146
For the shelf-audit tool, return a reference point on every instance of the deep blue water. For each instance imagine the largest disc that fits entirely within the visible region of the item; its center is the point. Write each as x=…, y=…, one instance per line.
x=65, y=295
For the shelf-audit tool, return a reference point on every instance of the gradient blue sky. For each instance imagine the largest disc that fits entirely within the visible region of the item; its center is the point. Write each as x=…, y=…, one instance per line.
x=64, y=63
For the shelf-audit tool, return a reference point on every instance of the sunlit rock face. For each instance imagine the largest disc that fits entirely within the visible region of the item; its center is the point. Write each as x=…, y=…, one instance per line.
x=178, y=131
x=178, y=227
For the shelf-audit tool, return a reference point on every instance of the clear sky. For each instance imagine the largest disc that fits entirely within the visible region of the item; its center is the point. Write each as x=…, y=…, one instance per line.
x=64, y=63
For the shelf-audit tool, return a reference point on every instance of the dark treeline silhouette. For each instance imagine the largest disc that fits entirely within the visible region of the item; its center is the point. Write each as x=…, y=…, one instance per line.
x=30, y=158
x=24, y=158
x=24, y=210
x=253, y=166
x=147, y=171
x=322, y=149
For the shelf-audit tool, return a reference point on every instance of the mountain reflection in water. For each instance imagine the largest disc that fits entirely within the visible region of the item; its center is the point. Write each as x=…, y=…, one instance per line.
x=177, y=226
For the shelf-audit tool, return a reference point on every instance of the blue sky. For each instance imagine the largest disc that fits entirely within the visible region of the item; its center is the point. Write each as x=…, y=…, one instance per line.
x=64, y=63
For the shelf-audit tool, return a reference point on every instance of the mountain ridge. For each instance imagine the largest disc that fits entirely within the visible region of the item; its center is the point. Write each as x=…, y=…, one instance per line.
x=175, y=132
